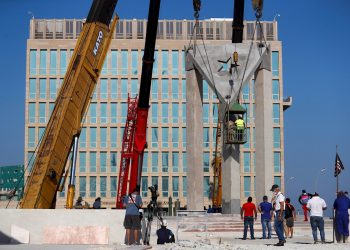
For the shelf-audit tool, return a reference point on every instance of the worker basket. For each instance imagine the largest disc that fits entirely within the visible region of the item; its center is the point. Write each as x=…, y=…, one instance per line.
x=232, y=133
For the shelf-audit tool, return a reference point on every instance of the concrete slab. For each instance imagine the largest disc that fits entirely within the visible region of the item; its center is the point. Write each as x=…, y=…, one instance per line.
x=19, y=235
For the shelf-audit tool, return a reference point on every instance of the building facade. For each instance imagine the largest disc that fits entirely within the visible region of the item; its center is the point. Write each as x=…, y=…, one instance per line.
x=49, y=48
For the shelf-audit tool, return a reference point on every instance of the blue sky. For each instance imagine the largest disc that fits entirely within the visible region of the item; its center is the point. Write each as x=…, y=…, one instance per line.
x=315, y=36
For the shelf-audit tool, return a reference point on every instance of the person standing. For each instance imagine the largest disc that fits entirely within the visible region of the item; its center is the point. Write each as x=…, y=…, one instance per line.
x=290, y=217
x=265, y=208
x=249, y=211
x=132, y=222
x=279, y=210
x=316, y=205
x=341, y=206
x=303, y=199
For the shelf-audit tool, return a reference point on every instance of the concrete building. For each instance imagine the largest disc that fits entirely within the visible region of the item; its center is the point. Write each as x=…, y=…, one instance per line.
x=49, y=49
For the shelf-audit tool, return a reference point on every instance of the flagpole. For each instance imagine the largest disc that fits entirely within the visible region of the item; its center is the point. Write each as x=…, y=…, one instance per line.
x=336, y=152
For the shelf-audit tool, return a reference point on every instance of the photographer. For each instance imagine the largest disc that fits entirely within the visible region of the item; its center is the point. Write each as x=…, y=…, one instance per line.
x=154, y=193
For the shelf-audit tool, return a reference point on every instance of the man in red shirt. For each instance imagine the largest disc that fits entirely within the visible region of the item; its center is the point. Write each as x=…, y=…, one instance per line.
x=249, y=211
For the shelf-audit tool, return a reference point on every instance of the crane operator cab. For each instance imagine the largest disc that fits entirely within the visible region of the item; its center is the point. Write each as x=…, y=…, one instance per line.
x=235, y=126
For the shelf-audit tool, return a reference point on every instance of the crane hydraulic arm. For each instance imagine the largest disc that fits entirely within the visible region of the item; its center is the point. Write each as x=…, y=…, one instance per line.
x=139, y=142
x=71, y=104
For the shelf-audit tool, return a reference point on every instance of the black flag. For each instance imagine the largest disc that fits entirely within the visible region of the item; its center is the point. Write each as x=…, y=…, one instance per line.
x=338, y=165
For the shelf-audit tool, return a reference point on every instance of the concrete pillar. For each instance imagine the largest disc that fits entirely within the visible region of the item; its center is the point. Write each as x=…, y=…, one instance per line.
x=194, y=111
x=264, y=132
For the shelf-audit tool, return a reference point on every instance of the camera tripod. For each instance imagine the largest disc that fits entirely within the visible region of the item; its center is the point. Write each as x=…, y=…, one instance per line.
x=153, y=210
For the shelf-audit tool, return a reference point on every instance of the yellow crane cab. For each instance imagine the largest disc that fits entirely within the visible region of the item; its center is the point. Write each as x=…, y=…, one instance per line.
x=235, y=126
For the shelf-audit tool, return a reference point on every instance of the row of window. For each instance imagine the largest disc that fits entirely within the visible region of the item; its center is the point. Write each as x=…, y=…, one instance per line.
x=121, y=62
x=249, y=185
x=249, y=162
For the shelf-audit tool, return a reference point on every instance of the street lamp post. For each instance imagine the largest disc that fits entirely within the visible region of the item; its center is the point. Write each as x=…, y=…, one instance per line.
x=289, y=179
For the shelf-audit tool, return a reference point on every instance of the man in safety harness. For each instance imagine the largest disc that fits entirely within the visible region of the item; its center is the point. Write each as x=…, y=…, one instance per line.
x=239, y=128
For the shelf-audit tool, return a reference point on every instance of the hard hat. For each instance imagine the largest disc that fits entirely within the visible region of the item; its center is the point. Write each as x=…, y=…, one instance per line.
x=164, y=223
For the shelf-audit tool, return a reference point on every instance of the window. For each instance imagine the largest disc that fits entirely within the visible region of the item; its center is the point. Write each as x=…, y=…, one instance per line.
x=165, y=162
x=144, y=186
x=82, y=138
x=184, y=162
x=175, y=186
x=175, y=89
x=32, y=88
x=184, y=89
x=63, y=61
x=215, y=113
x=165, y=137
x=124, y=62
x=41, y=133
x=169, y=29
x=154, y=162
x=154, y=89
x=103, y=89
x=42, y=88
x=184, y=112
x=105, y=65
x=134, y=61
x=103, y=117
x=42, y=69
x=93, y=162
x=114, y=113
x=160, y=30
x=42, y=112
x=139, y=29
x=30, y=158
x=145, y=163
x=124, y=112
x=276, y=137
x=154, y=108
x=103, y=186
x=175, y=113
x=165, y=62
x=275, y=63
x=93, y=137
x=32, y=62
x=246, y=115
x=277, y=162
x=92, y=186
x=165, y=186
x=120, y=29
x=277, y=180
x=53, y=62
x=82, y=162
x=134, y=87
x=113, y=162
x=114, y=89
x=246, y=185
x=165, y=112
x=128, y=29
x=165, y=90
x=206, y=186
x=113, y=186
x=175, y=162
x=183, y=137
x=275, y=90
x=206, y=113
x=113, y=139
x=245, y=92
x=246, y=162
x=31, y=137
x=247, y=144
x=53, y=90
x=175, y=62
x=205, y=91
x=184, y=186
x=179, y=30
x=124, y=89
x=155, y=63
x=103, y=137
x=175, y=137
x=93, y=113
x=206, y=137
x=82, y=186
x=276, y=113
x=206, y=163
x=114, y=65
x=154, y=137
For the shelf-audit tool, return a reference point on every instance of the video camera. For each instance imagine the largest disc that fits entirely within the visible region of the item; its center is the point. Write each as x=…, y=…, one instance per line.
x=154, y=192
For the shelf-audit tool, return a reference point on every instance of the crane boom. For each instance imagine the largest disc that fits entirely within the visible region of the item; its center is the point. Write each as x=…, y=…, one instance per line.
x=70, y=106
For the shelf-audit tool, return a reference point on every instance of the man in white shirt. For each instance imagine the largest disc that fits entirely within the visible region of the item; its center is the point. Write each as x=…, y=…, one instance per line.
x=316, y=205
x=279, y=209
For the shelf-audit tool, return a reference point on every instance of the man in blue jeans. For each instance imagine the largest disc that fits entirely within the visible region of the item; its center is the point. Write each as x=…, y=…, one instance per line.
x=279, y=209
x=316, y=205
x=265, y=208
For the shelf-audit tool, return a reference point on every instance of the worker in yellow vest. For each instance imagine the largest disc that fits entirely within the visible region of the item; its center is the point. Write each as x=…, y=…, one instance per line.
x=239, y=127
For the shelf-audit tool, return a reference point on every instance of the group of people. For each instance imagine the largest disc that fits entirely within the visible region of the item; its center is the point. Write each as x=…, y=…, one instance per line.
x=132, y=221
x=284, y=215
x=79, y=203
